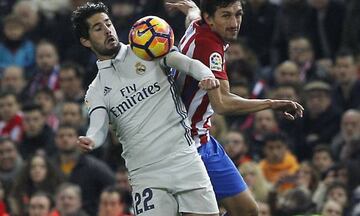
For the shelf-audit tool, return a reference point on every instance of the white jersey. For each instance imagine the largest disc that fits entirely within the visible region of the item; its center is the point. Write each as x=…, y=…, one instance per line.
x=143, y=107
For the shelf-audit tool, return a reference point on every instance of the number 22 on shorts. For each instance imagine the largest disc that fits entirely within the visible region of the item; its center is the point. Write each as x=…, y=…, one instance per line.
x=142, y=201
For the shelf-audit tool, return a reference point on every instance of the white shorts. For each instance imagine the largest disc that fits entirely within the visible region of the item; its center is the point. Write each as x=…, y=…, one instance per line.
x=178, y=184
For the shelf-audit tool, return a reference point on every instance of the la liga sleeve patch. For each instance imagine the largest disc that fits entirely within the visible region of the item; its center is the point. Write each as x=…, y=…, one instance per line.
x=216, y=63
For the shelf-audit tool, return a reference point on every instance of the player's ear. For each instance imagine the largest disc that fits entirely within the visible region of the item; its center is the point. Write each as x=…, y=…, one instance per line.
x=208, y=19
x=85, y=42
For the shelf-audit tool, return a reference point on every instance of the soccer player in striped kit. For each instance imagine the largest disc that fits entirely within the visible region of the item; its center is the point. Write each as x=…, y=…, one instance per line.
x=211, y=29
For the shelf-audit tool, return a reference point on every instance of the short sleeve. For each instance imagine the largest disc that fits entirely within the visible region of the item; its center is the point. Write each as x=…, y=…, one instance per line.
x=94, y=98
x=212, y=55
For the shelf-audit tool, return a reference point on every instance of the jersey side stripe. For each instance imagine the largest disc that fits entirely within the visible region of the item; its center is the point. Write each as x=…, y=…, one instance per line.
x=180, y=109
x=199, y=113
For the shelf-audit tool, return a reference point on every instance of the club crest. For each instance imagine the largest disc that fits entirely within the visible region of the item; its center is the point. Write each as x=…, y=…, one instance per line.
x=140, y=68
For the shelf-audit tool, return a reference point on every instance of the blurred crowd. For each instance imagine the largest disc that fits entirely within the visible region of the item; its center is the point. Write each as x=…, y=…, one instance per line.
x=304, y=50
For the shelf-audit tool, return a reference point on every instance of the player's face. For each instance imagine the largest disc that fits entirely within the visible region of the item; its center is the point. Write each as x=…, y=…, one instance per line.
x=103, y=39
x=226, y=21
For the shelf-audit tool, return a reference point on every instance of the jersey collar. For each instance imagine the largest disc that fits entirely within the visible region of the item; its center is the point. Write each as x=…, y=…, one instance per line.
x=119, y=57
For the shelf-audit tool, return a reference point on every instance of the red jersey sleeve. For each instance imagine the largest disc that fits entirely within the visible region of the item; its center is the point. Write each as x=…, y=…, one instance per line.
x=211, y=54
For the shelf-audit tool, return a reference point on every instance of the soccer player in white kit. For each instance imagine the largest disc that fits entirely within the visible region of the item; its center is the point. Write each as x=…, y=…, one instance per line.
x=139, y=99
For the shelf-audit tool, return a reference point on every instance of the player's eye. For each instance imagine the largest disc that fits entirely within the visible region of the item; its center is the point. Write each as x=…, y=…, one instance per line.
x=239, y=14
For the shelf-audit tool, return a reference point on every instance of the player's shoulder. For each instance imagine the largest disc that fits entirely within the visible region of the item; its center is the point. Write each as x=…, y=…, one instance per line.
x=94, y=85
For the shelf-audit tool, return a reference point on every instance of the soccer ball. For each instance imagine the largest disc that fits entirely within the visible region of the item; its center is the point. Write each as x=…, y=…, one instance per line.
x=151, y=37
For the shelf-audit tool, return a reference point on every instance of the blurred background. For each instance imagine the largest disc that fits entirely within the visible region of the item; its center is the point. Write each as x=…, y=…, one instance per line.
x=303, y=50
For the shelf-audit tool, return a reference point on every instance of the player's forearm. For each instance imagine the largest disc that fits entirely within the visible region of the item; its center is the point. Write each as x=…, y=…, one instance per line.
x=98, y=127
x=233, y=104
x=242, y=105
x=192, y=67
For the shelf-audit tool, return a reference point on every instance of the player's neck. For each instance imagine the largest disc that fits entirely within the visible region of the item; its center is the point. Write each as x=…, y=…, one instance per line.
x=107, y=57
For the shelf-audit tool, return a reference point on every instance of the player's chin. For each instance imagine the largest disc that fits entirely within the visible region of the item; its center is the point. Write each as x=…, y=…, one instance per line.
x=231, y=37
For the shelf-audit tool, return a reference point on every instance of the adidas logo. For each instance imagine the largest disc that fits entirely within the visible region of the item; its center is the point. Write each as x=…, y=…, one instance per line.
x=107, y=90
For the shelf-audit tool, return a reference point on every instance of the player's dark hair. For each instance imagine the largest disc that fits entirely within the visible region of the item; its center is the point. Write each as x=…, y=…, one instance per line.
x=82, y=13
x=210, y=6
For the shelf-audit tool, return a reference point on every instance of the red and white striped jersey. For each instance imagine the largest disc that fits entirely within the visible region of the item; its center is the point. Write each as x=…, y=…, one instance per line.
x=200, y=43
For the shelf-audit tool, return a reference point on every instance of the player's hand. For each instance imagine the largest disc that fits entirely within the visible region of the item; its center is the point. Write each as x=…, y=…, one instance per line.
x=209, y=83
x=185, y=6
x=85, y=144
x=290, y=109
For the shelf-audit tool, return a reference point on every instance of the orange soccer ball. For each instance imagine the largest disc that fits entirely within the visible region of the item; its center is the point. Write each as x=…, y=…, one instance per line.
x=151, y=37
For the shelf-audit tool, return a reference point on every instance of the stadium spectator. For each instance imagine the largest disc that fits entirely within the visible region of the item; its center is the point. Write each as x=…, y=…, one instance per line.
x=264, y=123
x=351, y=28
x=236, y=147
x=321, y=120
x=68, y=201
x=13, y=80
x=300, y=51
x=11, y=119
x=38, y=174
x=332, y=208
x=337, y=191
x=287, y=73
x=71, y=113
x=46, y=99
x=15, y=49
x=40, y=204
x=91, y=174
x=71, y=77
x=112, y=203
x=279, y=165
x=347, y=82
x=38, y=136
x=307, y=177
x=345, y=145
x=255, y=180
x=10, y=163
x=46, y=73
x=322, y=158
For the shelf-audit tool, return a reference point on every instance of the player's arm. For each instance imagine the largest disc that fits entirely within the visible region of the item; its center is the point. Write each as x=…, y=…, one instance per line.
x=99, y=119
x=192, y=67
x=188, y=7
x=224, y=102
x=97, y=132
